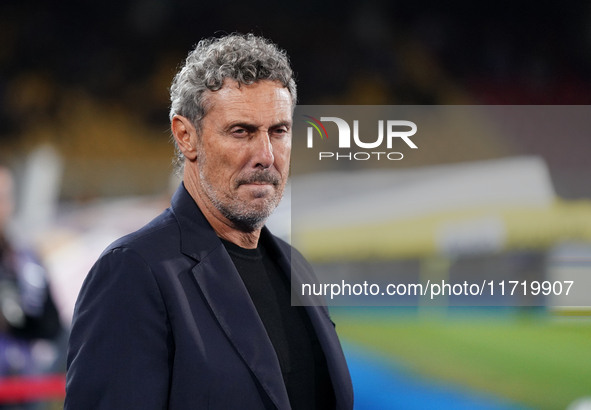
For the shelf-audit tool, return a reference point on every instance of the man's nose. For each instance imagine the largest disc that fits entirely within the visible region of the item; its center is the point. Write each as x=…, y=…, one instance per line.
x=263, y=151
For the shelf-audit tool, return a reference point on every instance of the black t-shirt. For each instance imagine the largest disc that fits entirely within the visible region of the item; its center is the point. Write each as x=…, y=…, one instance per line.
x=300, y=355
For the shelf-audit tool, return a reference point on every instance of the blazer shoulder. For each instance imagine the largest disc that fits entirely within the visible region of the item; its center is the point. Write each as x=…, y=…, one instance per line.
x=162, y=230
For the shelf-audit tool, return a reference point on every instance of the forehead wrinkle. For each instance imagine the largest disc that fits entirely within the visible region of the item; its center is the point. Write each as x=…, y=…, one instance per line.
x=238, y=96
x=253, y=115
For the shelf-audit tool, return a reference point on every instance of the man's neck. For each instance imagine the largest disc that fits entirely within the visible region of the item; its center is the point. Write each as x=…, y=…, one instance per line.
x=221, y=225
x=245, y=240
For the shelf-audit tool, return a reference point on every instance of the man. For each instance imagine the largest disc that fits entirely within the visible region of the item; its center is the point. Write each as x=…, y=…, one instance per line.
x=193, y=310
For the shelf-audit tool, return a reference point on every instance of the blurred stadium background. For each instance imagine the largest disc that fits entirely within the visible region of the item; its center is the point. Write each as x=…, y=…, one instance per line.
x=84, y=127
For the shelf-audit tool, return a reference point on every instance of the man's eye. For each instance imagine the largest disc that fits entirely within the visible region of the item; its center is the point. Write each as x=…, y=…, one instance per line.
x=239, y=132
x=280, y=131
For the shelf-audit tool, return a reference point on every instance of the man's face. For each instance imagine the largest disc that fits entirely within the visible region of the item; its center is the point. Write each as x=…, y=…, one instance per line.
x=243, y=151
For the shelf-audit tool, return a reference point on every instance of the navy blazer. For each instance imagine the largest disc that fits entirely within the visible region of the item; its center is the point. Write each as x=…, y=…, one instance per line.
x=164, y=321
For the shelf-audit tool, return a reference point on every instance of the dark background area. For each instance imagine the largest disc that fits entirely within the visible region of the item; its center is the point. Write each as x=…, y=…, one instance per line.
x=91, y=78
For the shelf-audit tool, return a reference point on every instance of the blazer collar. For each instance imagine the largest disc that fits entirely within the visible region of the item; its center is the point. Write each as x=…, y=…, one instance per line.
x=318, y=314
x=227, y=296
x=198, y=238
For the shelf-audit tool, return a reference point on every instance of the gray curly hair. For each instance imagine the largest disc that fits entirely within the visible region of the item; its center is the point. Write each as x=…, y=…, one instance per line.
x=242, y=58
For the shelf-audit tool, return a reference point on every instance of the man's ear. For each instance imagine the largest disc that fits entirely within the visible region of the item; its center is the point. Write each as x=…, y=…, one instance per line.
x=185, y=136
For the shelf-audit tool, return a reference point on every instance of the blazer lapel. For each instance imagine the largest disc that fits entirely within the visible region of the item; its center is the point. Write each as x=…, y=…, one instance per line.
x=228, y=298
x=315, y=307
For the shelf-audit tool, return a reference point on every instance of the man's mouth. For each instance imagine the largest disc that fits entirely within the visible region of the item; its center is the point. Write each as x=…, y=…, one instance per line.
x=259, y=178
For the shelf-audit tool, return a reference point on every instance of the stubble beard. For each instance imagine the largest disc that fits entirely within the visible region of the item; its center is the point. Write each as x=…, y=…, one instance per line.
x=244, y=216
